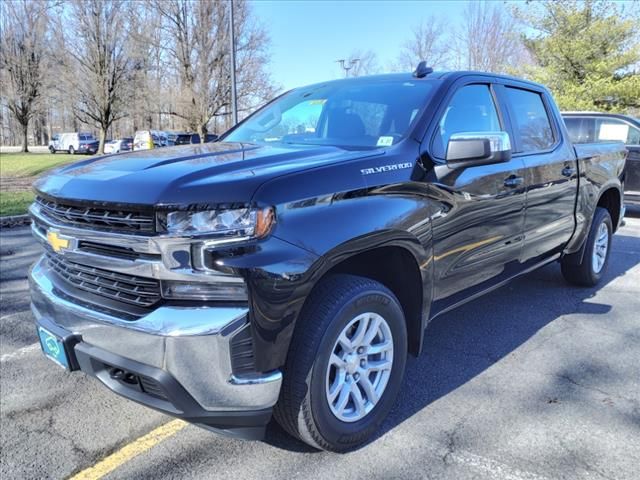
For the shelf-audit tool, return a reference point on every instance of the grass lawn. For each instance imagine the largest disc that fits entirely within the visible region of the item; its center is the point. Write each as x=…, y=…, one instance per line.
x=17, y=172
x=30, y=164
x=14, y=203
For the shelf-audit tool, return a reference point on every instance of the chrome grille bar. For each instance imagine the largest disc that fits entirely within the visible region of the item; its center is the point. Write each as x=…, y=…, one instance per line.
x=130, y=289
x=98, y=218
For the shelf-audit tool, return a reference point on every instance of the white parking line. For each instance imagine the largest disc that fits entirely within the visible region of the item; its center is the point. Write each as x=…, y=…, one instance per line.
x=20, y=352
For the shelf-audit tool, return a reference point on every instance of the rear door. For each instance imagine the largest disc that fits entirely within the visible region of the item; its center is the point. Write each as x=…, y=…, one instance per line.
x=551, y=171
x=478, y=236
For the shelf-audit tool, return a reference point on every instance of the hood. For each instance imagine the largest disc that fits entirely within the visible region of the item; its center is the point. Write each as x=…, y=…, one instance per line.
x=207, y=173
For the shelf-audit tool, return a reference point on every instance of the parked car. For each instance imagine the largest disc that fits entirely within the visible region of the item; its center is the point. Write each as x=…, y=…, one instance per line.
x=117, y=146
x=291, y=267
x=587, y=127
x=189, y=138
x=178, y=138
x=148, y=139
x=209, y=137
x=88, y=147
x=74, y=143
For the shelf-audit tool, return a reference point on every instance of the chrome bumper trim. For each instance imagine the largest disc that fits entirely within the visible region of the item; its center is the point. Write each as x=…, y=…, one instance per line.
x=192, y=344
x=166, y=321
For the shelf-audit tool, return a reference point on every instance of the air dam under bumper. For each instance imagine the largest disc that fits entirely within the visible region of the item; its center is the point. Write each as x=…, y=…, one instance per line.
x=175, y=359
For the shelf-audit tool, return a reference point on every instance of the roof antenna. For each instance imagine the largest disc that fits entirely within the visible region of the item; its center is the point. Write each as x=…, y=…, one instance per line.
x=422, y=70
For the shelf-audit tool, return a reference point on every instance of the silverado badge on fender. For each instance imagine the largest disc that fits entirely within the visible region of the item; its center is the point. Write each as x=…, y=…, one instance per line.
x=386, y=168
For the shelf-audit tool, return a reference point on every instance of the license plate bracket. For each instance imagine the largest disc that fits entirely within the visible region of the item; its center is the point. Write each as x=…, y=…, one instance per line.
x=57, y=344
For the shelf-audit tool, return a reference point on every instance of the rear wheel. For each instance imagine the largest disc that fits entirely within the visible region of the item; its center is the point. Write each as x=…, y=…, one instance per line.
x=346, y=364
x=595, y=257
x=71, y=151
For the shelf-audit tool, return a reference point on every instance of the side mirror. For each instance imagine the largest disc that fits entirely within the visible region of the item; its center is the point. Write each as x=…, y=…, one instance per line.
x=479, y=148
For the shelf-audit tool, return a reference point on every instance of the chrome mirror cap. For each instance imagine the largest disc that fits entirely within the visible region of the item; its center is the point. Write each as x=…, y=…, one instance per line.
x=479, y=147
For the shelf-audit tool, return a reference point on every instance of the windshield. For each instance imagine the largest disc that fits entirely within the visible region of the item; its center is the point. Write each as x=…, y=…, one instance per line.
x=376, y=114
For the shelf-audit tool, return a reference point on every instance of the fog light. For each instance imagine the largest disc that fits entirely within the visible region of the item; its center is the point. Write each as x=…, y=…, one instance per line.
x=233, y=291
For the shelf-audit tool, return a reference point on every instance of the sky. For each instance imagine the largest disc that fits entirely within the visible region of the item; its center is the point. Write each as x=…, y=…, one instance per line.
x=308, y=36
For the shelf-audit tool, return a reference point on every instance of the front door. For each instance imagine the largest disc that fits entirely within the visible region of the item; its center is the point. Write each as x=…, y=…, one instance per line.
x=477, y=237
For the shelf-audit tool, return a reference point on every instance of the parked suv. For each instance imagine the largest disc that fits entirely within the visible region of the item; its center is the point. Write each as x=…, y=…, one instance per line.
x=588, y=127
x=291, y=267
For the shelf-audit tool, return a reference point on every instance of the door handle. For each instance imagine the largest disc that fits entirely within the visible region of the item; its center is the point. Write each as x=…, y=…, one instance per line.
x=568, y=172
x=513, y=181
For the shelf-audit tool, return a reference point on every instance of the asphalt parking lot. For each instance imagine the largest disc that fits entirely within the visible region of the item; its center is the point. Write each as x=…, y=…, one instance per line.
x=538, y=380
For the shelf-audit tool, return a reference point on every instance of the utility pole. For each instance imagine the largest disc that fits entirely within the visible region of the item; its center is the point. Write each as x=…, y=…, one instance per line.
x=232, y=46
x=346, y=66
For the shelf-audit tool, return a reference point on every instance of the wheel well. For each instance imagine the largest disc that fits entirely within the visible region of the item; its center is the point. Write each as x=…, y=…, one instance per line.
x=397, y=270
x=610, y=200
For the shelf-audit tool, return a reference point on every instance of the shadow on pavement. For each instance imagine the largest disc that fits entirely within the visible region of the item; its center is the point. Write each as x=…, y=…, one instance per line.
x=465, y=342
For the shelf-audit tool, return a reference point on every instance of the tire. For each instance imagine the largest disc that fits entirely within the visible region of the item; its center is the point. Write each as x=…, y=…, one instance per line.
x=71, y=151
x=304, y=408
x=596, y=253
x=52, y=150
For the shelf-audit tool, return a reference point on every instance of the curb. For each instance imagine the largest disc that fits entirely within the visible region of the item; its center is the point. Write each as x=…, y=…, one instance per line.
x=14, y=221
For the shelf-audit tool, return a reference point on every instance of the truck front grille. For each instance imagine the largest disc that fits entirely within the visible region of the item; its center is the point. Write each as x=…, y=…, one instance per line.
x=129, y=289
x=114, y=220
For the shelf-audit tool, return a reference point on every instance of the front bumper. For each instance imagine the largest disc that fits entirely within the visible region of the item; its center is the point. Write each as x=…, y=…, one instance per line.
x=182, y=354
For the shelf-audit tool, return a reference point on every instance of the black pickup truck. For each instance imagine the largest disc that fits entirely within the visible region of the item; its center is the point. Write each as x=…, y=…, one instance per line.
x=288, y=269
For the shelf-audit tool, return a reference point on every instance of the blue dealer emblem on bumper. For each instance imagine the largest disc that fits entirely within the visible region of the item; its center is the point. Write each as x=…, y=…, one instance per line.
x=52, y=347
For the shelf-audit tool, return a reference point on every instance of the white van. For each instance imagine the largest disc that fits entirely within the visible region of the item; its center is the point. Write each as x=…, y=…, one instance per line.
x=74, y=143
x=148, y=139
x=54, y=143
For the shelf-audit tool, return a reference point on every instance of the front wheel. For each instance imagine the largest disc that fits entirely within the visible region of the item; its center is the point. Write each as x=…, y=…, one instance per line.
x=52, y=150
x=71, y=151
x=346, y=363
x=595, y=259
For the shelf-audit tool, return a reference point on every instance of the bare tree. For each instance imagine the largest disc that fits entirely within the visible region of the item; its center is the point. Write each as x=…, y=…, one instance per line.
x=489, y=40
x=429, y=43
x=96, y=61
x=23, y=46
x=198, y=46
x=151, y=77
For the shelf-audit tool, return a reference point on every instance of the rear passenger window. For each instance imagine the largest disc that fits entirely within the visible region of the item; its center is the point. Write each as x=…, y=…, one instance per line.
x=581, y=130
x=471, y=110
x=531, y=120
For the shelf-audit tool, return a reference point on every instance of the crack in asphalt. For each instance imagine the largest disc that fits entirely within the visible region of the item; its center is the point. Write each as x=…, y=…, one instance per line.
x=572, y=381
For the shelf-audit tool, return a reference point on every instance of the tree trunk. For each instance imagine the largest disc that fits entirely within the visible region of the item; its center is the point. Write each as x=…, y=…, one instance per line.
x=49, y=126
x=103, y=135
x=25, y=135
x=202, y=132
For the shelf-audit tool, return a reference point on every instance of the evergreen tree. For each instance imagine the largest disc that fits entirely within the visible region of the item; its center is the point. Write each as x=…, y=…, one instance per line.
x=587, y=52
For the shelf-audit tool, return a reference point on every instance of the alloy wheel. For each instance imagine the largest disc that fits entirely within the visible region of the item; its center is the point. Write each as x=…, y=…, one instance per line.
x=359, y=367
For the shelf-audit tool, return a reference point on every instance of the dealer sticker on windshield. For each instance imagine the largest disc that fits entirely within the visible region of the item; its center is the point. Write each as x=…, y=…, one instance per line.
x=385, y=141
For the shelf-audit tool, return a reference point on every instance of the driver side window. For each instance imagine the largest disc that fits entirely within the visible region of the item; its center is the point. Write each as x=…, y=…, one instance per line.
x=470, y=110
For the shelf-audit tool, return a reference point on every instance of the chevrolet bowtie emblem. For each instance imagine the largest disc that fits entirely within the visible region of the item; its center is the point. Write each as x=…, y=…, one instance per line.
x=57, y=241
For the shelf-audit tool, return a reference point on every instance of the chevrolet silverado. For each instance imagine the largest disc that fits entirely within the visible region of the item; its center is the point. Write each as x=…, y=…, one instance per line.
x=288, y=269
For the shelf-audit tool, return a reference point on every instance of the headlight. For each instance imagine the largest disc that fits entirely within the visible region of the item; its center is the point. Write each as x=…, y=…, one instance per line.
x=232, y=224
